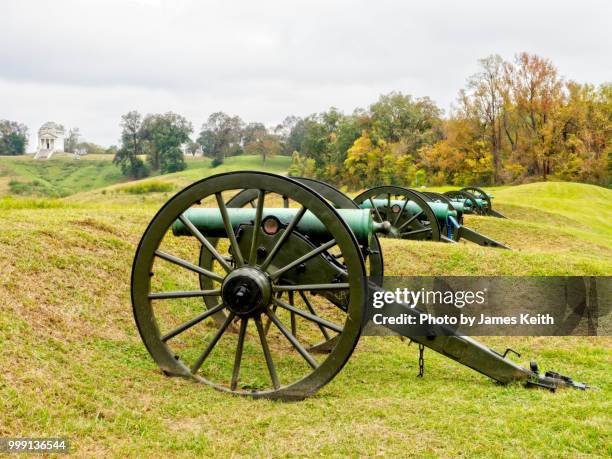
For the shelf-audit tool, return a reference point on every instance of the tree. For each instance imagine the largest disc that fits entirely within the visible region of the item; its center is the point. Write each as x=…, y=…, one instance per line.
x=193, y=148
x=397, y=117
x=302, y=167
x=221, y=136
x=258, y=141
x=485, y=102
x=91, y=148
x=172, y=160
x=13, y=138
x=537, y=93
x=291, y=132
x=164, y=134
x=369, y=162
x=72, y=140
x=316, y=140
x=132, y=145
x=253, y=132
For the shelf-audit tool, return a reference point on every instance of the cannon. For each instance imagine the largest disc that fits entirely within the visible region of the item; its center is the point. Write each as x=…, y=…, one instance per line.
x=475, y=200
x=418, y=216
x=213, y=288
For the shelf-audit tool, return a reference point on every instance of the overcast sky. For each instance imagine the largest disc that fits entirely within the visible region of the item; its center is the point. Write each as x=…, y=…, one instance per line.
x=86, y=62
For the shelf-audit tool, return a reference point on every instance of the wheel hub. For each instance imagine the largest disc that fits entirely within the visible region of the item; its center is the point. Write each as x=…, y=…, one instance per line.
x=246, y=291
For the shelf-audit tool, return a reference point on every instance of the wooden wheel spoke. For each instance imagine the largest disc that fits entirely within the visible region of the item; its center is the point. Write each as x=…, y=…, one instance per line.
x=213, y=343
x=306, y=315
x=256, y=225
x=380, y=219
x=190, y=266
x=419, y=231
x=313, y=253
x=200, y=237
x=184, y=294
x=238, y=358
x=293, y=340
x=229, y=229
x=410, y=220
x=399, y=214
x=190, y=323
x=266, y=351
x=269, y=321
x=314, y=313
x=293, y=317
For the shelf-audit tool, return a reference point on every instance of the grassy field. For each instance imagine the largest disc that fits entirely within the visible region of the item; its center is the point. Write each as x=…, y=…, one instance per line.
x=74, y=365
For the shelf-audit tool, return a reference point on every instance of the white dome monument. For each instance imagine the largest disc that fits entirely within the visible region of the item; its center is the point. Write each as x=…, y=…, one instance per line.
x=50, y=140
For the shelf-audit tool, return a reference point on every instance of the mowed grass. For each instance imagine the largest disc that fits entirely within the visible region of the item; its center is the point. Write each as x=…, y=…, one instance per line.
x=73, y=364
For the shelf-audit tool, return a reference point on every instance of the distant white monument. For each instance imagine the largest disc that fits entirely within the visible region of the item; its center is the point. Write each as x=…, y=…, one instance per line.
x=50, y=140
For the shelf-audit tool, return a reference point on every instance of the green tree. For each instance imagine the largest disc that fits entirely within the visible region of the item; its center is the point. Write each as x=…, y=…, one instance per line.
x=164, y=134
x=132, y=145
x=13, y=138
x=221, y=136
x=172, y=160
x=291, y=134
x=397, y=117
x=302, y=167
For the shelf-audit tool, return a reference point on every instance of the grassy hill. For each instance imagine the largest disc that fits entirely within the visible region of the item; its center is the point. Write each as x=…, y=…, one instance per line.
x=63, y=176
x=57, y=177
x=73, y=363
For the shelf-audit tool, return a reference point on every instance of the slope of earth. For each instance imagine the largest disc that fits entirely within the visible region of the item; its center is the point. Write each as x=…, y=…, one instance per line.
x=63, y=176
x=156, y=190
x=57, y=177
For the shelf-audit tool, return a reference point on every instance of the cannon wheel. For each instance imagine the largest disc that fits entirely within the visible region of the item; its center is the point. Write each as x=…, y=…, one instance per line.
x=413, y=227
x=158, y=339
x=462, y=194
x=479, y=193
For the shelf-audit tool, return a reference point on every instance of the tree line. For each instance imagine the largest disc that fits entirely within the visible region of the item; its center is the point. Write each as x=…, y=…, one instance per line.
x=515, y=121
x=163, y=139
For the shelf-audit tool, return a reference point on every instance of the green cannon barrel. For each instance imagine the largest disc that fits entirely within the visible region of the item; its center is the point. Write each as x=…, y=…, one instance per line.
x=461, y=207
x=468, y=202
x=210, y=223
x=440, y=209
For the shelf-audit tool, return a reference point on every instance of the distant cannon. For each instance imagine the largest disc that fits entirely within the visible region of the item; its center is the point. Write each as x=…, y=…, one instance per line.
x=418, y=216
x=293, y=256
x=475, y=200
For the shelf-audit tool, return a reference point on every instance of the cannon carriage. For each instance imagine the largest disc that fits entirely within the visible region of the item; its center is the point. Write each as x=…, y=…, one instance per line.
x=258, y=284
